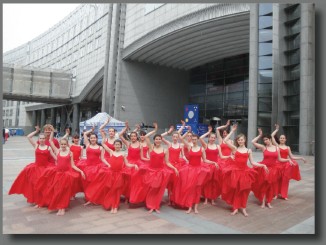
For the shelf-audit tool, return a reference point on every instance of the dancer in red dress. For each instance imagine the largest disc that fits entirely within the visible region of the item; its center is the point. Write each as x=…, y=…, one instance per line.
x=108, y=185
x=94, y=160
x=192, y=177
x=47, y=129
x=108, y=141
x=188, y=136
x=289, y=168
x=264, y=187
x=226, y=151
x=58, y=184
x=176, y=156
x=75, y=147
x=238, y=178
x=213, y=186
x=134, y=155
x=26, y=180
x=149, y=184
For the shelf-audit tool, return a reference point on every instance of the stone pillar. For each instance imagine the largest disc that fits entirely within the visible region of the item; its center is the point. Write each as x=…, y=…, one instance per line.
x=63, y=119
x=34, y=119
x=43, y=118
x=253, y=73
x=75, y=118
x=307, y=79
x=53, y=116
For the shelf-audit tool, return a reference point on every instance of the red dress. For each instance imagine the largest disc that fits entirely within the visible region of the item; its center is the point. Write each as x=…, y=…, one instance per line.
x=176, y=161
x=237, y=180
x=266, y=183
x=226, y=151
x=213, y=186
x=90, y=166
x=108, y=184
x=76, y=151
x=288, y=172
x=51, y=160
x=58, y=184
x=149, y=183
x=133, y=158
x=192, y=177
x=26, y=180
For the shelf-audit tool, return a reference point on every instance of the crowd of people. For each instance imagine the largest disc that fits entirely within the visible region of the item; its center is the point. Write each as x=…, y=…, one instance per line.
x=189, y=168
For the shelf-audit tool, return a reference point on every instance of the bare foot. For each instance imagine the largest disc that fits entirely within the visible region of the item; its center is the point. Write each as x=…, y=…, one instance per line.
x=126, y=201
x=205, y=201
x=245, y=212
x=213, y=202
x=157, y=211
x=36, y=206
x=269, y=205
x=115, y=210
x=112, y=210
x=151, y=211
x=87, y=203
x=286, y=199
x=189, y=211
x=72, y=198
x=234, y=212
x=275, y=197
x=262, y=204
x=61, y=212
x=196, y=211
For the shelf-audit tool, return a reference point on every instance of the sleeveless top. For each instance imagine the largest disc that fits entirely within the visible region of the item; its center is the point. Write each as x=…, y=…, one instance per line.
x=195, y=157
x=133, y=154
x=76, y=152
x=156, y=160
x=42, y=156
x=174, y=154
x=145, y=150
x=241, y=159
x=211, y=154
x=270, y=158
x=63, y=163
x=226, y=151
x=116, y=163
x=93, y=156
x=284, y=152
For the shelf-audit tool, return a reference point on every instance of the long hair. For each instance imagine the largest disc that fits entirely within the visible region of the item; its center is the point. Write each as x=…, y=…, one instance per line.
x=238, y=137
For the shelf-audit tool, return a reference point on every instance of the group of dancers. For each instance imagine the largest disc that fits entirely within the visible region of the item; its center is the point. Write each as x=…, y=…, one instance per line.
x=189, y=168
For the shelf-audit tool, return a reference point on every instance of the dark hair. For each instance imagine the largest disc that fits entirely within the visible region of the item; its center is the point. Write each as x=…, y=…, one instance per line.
x=93, y=134
x=134, y=134
x=142, y=133
x=276, y=139
x=268, y=136
x=157, y=135
x=76, y=136
x=195, y=135
x=119, y=141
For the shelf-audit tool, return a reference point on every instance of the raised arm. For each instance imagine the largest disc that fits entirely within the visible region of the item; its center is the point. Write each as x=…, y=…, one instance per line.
x=129, y=165
x=182, y=127
x=254, y=141
x=137, y=128
x=277, y=127
x=104, y=124
x=226, y=139
x=185, y=134
x=201, y=138
x=31, y=135
x=153, y=131
x=169, y=131
x=183, y=141
x=86, y=141
x=106, y=148
x=54, y=148
x=224, y=126
x=103, y=135
x=66, y=136
x=122, y=132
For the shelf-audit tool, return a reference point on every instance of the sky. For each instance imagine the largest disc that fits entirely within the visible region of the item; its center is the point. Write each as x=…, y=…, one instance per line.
x=23, y=22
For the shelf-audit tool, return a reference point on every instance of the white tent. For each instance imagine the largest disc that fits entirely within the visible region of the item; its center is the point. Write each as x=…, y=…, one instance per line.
x=98, y=120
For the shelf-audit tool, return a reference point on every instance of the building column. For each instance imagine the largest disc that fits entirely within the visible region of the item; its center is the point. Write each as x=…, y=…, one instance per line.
x=307, y=79
x=75, y=118
x=43, y=118
x=253, y=72
x=106, y=81
x=63, y=119
x=53, y=116
x=34, y=119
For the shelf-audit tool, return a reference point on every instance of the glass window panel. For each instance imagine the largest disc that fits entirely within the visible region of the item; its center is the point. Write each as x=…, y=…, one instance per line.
x=234, y=96
x=196, y=89
x=265, y=104
x=265, y=21
x=265, y=8
x=264, y=89
x=265, y=62
x=265, y=76
x=293, y=103
x=294, y=58
x=265, y=48
x=265, y=35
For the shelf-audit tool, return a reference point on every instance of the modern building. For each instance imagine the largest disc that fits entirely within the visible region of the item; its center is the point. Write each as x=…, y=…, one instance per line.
x=252, y=63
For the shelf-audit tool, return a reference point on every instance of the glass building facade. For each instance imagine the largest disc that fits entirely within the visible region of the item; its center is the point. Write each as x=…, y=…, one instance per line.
x=220, y=88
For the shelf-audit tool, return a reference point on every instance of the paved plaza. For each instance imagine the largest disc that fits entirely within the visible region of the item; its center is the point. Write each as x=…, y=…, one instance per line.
x=295, y=216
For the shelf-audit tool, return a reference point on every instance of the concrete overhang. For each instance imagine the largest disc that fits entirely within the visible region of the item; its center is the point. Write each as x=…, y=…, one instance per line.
x=196, y=44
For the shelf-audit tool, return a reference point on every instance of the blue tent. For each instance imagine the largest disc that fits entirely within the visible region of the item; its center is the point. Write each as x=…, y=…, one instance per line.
x=98, y=120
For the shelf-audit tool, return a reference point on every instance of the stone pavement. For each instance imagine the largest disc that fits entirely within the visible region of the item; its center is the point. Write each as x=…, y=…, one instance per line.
x=295, y=216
